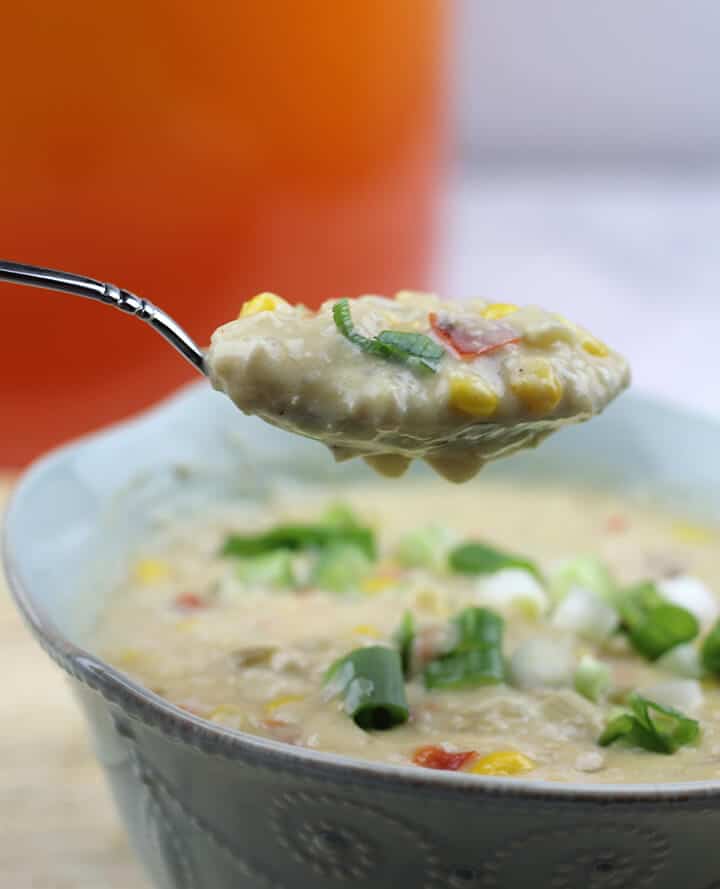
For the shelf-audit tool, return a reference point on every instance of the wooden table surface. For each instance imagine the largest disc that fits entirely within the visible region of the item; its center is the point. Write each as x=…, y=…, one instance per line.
x=58, y=828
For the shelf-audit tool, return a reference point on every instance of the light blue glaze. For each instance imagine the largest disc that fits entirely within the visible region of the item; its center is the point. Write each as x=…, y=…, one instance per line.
x=209, y=808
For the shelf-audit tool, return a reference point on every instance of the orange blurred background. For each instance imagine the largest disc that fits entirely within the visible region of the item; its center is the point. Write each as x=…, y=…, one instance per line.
x=197, y=153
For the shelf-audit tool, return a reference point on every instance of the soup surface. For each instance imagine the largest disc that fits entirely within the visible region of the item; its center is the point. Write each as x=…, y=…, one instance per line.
x=564, y=635
x=454, y=383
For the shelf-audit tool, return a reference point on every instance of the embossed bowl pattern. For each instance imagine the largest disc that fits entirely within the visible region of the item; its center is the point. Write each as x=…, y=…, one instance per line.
x=210, y=808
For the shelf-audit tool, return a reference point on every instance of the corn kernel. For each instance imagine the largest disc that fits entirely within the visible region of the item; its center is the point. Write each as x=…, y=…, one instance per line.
x=503, y=763
x=529, y=608
x=367, y=630
x=282, y=701
x=263, y=302
x=224, y=710
x=594, y=346
x=472, y=396
x=536, y=385
x=686, y=532
x=186, y=625
x=129, y=657
x=377, y=584
x=149, y=571
x=498, y=310
x=431, y=601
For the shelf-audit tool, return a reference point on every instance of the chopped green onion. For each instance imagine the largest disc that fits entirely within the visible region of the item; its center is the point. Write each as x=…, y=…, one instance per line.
x=370, y=682
x=340, y=515
x=274, y=569
x=586, y=572
x=479, y=558
x=414, y=349
x=475, y=658
x=683, y=660
x=465, y=669
x=654, y=625
x=515, y=589
x=651, y=726
x=592, y=678
x=297, y=537
x=404, y=638
x=340, y=568
x=425, y=548
x=685, y=695
x=710, y=651
x=541, y=662
x=476, y=627
x=587, y=614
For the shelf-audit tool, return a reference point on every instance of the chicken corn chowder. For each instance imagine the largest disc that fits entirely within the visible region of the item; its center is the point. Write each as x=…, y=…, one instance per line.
x=499, y=630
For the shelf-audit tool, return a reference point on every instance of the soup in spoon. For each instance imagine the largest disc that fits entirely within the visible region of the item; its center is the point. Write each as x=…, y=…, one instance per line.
x=392, y=379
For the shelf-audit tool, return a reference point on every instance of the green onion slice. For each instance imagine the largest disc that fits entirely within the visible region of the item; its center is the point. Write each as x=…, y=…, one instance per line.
x=710, y=651
x=370, y=682
x=340, y=515
x=273, y=569
x=474, y=557
x=404, y=638
x=414, y=349
x=340, y=568
x=652, y=727
x=475, y=658
x=653, y=624
x=587, y=572
x=592, y=678
x=426, y=548
x=298, y=537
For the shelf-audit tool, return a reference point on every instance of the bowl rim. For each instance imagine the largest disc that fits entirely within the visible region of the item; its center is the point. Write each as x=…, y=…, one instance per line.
x=142, y=705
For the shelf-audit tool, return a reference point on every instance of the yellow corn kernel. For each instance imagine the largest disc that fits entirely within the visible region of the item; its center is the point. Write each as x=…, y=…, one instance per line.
x=367, y=630
x=377, y=584
x=186, y=625
x=282, y=701
x=148, y=571
x=534, y=382
x=472, y=396
x=503, y=763
x=129, y=657
x=223, y=711
x=594, y=346
x=530, y=609
x=263, y=302
x=498, y=310
x=431, y=601
x=686, y=532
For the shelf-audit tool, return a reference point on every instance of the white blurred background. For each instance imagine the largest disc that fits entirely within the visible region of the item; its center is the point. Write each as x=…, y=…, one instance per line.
x=589, y=138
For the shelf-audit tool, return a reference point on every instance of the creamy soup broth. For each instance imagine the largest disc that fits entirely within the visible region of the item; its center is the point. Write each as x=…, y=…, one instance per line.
x=253, y=654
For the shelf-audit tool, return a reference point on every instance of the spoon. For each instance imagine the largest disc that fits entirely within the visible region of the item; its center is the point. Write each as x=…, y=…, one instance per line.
x=111, y=295
x=454, y=444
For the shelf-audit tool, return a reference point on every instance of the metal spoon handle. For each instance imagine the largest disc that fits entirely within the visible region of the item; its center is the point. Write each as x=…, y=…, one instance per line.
x=49, y=279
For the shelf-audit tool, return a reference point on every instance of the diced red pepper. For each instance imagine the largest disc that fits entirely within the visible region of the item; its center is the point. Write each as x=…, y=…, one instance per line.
x=469, y=344
x=617, y=524
x=287, y=732
x=194, y=709
x=434, y=757
x=190, y=602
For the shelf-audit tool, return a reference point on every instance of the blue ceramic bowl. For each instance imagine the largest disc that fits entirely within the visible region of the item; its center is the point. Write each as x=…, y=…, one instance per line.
x=211, y=808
